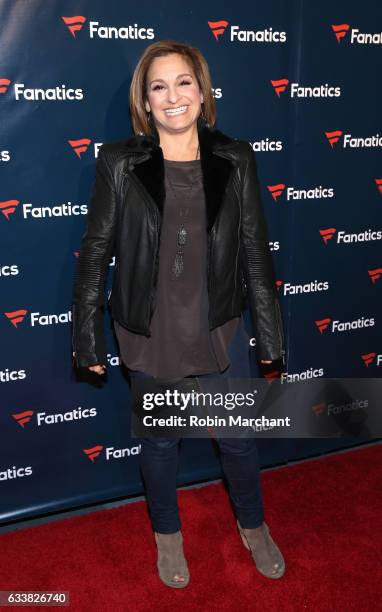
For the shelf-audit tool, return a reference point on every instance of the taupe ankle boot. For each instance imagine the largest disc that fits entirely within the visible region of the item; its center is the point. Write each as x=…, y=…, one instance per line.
x=171, y=560
x=265, y=552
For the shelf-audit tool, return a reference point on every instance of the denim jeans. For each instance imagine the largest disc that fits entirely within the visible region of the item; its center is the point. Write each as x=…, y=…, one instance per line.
x=239, y=458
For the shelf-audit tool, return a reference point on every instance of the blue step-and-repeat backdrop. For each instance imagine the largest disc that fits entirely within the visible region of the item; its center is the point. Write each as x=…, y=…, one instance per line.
x=298, y=80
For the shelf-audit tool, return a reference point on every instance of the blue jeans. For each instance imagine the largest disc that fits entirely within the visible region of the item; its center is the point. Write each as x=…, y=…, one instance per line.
x=239, y=458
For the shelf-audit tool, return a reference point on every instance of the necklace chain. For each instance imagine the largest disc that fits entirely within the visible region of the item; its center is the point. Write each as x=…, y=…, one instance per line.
x=178, y=264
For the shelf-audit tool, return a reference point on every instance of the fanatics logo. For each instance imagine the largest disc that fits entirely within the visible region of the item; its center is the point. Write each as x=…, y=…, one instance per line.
x=4, y=84
x=23, y=417
x=111, y=452
x=372, y=359
x=362, y=38
x=310, y=287
x=28, y=94
x=74, y=24
x=61, y=417
x=327, y=234
x=333, y=409
x=15, y=472
x=300, y=91
x=319, y=409
x=340, y=326
x=218, y=27
x=304, y=375
x=341, y=30
x=12, y=375
x=237, y=34
x=344, y=238
x=36, y=318
x=80, y=146
x=368, y=358
x=10, y=270
x=279, y=85
x=353, y=142
x=8, y=207
x=276, y=190
x=16, y=316
x=333, y=137
x=132, y=32
x=93, y=452
x=374, y=275
x=42, y=418
x=293, y=193
x=323, y=324
x=265, y=144
x=67, y=209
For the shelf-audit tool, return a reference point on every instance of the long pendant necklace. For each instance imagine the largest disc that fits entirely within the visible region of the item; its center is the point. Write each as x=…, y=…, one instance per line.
x=178, y=264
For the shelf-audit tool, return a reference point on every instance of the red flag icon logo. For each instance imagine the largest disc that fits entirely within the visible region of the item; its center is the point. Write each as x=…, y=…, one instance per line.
x=74, y=24
x=16, y=316
x=327, y=234
x=280, y=85
x=279, y=283
x=375, y=274
x=341, y=30
x=80, y=146
x=333, y=137
x=276, y=190
x=218, y=27
x=379, y=185
x=4, y=84
x=319, y=409
x=323, y=324
x=93, y=452
x=23, y=417
x=368, y=358
x=8, y=207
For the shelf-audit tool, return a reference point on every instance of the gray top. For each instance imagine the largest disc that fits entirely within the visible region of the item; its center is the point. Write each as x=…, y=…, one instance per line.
x=181, y=343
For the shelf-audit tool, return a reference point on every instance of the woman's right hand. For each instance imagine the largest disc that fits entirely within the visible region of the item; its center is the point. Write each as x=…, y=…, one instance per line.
x=98, y=369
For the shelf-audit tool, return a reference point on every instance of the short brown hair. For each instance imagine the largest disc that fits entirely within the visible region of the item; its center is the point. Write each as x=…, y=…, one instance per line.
x=138, y=94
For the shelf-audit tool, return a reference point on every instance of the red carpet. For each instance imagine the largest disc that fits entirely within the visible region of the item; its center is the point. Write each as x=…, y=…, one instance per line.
x=325, y=515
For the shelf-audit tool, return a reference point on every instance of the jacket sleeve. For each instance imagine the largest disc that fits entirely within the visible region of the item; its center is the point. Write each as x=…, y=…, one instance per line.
x=258, y=266
x=88, y=340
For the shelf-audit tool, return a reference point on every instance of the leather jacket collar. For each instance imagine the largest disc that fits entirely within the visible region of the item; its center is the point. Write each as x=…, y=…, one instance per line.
x=218, y=156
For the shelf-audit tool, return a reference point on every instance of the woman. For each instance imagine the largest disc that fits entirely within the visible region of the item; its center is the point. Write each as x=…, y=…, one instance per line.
x=179, y=206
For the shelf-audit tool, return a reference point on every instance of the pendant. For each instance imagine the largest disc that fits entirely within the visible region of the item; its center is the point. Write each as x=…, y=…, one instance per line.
x=177, y=267
x=182, y=236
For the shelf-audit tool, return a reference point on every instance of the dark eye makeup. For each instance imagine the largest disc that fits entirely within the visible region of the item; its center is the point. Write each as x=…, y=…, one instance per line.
x=183, y=82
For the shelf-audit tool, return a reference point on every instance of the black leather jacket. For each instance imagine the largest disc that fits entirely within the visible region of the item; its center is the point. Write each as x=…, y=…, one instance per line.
x=124, y=219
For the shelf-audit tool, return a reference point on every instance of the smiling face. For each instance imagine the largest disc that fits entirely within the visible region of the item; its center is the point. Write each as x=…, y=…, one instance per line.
x=173, y=94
